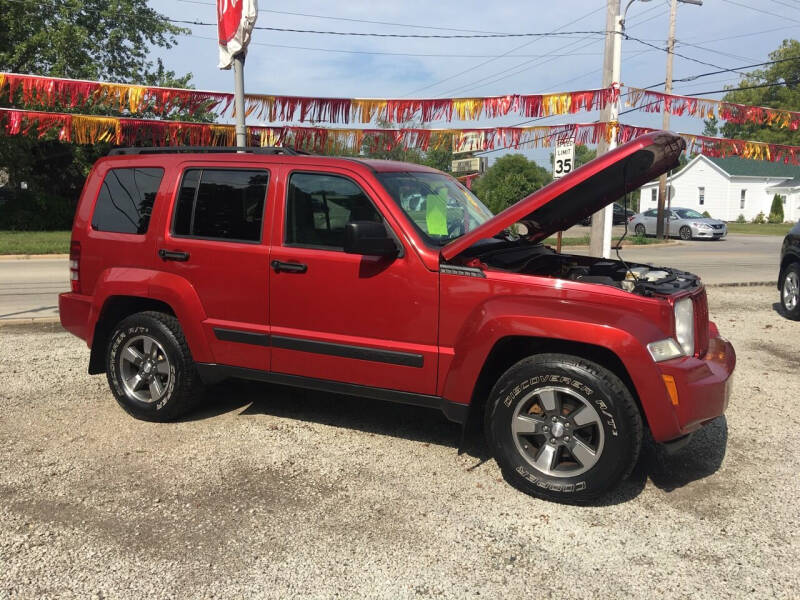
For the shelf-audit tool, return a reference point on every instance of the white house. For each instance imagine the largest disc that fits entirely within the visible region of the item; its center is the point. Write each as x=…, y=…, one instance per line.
x=729, y=187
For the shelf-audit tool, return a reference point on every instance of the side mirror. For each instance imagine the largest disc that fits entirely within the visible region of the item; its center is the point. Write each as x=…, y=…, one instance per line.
x=370, y=238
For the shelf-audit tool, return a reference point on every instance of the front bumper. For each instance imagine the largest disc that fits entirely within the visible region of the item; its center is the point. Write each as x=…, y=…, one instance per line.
x=704, y=386
x=709, y=233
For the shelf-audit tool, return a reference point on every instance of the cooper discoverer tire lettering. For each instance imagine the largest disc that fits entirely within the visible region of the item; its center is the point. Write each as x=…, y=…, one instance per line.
x=150, y=368
x=563, y=428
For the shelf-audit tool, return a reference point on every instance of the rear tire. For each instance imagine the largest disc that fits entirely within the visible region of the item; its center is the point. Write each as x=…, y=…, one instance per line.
x=563, y=428
x=790, y=291
x=685, y=233
x=640, y=230
x=150, y=368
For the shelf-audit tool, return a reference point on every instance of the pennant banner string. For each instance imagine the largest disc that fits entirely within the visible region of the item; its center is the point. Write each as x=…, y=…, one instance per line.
x=707, y=108
x=89, y=129
x=135, y=99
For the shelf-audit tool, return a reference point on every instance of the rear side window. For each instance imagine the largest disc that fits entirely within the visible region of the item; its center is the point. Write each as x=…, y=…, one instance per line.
x=126, y=200
x=318, y=206
x=222, y=204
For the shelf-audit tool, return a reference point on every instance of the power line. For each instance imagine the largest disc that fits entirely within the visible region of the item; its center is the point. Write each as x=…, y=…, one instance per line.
x=351, y=20
x=714, y=50
x=411, y=54
x=539, y=64
x=683, y=56
x=763, y=12
x=478, y=66
x=404, y=35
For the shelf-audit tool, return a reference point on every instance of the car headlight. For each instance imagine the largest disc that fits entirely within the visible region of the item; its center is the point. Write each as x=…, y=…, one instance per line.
x=684, y=325
x=664, y=350
x=702, y=225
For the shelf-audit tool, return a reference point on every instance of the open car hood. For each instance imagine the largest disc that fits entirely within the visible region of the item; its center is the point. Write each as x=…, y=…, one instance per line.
x=566, y=201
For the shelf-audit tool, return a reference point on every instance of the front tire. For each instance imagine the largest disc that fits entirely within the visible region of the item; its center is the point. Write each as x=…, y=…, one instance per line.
x=685, y=233
x=790, y=291
x=640, y=230
x=150, y=368
x=563, y=428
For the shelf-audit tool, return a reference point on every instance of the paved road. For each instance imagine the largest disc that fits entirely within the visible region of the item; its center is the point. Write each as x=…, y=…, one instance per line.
x=29, y=288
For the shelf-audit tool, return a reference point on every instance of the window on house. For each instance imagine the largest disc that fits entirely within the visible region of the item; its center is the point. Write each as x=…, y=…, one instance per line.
x=126, y=200
x=701, y=195
x=653, y=195
x=742, y=198
x=221, y=204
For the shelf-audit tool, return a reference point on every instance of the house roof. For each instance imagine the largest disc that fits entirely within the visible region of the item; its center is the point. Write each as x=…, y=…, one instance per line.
x=787, y=183
x=745, y=167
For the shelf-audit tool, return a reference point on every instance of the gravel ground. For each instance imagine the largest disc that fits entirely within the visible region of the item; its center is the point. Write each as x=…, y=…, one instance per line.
x=275, y=493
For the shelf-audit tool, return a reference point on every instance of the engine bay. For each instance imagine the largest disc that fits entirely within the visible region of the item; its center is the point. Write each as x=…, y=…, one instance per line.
x=545, y=262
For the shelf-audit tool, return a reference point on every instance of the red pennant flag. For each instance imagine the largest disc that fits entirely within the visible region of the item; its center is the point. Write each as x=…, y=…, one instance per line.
x=235, y=21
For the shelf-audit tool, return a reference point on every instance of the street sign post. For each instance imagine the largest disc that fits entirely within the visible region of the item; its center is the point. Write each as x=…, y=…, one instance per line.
x=563, y=163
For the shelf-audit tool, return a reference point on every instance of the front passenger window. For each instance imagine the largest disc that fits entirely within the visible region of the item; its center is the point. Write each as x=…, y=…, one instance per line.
x=319, y=206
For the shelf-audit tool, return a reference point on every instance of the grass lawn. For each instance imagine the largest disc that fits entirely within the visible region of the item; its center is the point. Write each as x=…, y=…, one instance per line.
x=630, y=240
x=34, y=242
x=780, y=229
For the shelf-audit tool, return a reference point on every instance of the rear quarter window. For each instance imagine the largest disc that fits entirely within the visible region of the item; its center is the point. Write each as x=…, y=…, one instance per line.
x=126, y=199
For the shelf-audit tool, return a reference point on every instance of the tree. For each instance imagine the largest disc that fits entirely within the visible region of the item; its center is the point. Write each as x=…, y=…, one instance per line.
x=781, y=89
x=83, y=39
x=776, y=211
x=508, y=180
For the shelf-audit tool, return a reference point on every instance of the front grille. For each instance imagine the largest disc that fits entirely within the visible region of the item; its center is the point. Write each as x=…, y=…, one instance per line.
x=717, y=226
x=700, y=303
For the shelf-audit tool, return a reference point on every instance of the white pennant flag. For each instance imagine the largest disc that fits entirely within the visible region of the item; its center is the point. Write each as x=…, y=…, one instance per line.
x=235, y=19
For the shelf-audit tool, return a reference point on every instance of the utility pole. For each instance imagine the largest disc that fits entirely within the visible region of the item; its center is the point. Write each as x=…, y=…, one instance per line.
x=238, y=99
x=662, y=228
x=662, y=223
x=600, y=235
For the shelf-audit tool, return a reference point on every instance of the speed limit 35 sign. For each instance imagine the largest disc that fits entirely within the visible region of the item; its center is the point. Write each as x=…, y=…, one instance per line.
x=563, y=160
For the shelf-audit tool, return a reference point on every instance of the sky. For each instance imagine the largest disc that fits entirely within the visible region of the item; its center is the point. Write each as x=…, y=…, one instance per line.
x=728, y=34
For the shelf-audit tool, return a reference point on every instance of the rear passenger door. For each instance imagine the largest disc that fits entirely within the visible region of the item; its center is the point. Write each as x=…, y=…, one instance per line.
x=364, y=320
x=216, y=239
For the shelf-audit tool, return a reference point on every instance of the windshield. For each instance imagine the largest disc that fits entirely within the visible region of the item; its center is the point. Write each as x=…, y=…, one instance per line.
x=687, y=213
x=440, y=207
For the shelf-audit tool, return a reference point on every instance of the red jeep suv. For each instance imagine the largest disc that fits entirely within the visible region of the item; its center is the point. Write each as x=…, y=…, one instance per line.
x=392, y=281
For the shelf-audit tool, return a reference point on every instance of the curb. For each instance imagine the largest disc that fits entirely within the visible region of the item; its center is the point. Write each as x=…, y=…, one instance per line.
x=46, y=323
x=744, y=284
x=32, y=256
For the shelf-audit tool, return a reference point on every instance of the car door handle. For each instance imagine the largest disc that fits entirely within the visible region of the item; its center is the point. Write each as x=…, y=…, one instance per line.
x=289, y=267
x=173, y=255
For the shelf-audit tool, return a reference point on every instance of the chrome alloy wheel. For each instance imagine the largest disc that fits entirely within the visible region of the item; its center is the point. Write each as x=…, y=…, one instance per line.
x=144, y=369
x=558, y=431
x=791, y=290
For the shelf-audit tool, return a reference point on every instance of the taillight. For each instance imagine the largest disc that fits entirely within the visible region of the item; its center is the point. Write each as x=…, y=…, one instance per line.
x=631, y=218
x=75, y=266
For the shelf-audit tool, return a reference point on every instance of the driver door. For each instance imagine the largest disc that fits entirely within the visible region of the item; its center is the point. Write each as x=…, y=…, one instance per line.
x=364, y=320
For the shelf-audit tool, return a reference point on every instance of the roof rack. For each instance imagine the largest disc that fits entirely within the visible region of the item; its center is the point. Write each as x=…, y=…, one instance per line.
x=207, y=150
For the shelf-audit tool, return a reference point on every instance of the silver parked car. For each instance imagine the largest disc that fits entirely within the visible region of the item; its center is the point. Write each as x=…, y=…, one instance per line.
x=683, y=222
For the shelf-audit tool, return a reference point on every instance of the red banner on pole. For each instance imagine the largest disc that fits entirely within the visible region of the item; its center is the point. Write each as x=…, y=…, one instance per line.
x=235, y=21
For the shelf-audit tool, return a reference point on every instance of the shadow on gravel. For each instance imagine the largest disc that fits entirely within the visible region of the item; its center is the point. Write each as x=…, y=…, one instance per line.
x=778, y=308
x=348, y=412
x=701, y=457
